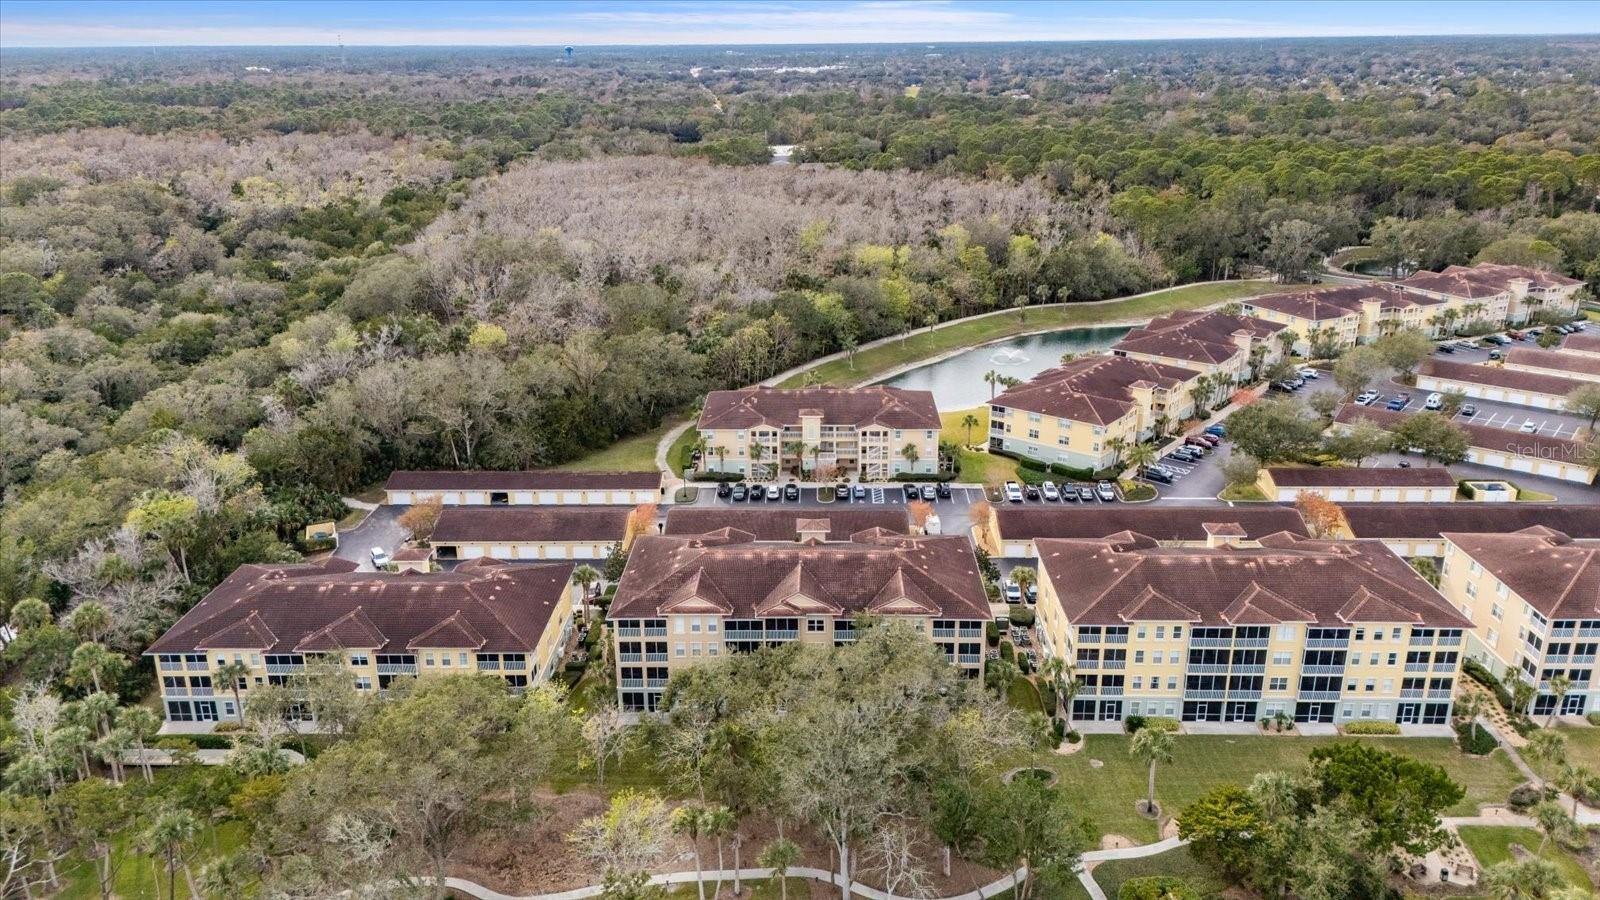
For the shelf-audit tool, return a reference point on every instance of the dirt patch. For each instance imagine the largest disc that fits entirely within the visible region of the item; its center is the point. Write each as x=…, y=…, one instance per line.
x=1116, y=842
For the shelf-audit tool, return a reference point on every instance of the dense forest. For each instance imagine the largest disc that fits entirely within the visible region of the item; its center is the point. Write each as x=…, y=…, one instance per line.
x=235, y=284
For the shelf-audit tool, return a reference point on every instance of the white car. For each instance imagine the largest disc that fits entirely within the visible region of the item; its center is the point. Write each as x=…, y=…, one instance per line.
x=1104, y=491
x=1010, y=591
x=1434, y=401
x=1367, y=398
x=1049, y=491
x=1308, y=372
x=380, y=557
x=1529, y=427
x=1013, y=492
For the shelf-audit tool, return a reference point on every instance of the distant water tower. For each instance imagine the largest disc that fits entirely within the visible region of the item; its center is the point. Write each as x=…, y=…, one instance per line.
x=569, y=53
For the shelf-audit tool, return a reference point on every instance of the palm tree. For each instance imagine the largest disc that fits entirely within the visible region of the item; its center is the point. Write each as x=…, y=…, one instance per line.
x=587, y=577
x=1141, y=456
x=718, y=822
x=1025, y=577
x=722, y=458
x=1153, y=745
x=231, y=673
x=1559, y=686
x=690, y=821
x=699, y=446
x=780, y=856
x=1116, y=445
x=141, y=724
x=1548, y=747
x=1551, y=819
x=909, y=451
x=91, y=620
x=1522, y=694
x=969, y=422
x=757, y=450
x=993, y=379
x=1470, y=707
x=796, y=449
x=1527, y=879
x=169, y=835
x=816, y=456
x=1574, y=780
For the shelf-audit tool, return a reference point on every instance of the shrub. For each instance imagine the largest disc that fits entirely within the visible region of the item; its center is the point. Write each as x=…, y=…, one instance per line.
x=1156, y=887
x=1021, y=616
x=1476, y=671
x=1133, y=723
x=1008, y=652
x=924, y=476
x=1161, y=723
x=1526, y=796
x=1058, y=727
x=1073, y=736
x=1372, y=728
x=991, y=633
x=1023, y=665
x=1524, y=726
x=1048, y=698
x=730, y=477
x=1594, y=718
x=1475, y=741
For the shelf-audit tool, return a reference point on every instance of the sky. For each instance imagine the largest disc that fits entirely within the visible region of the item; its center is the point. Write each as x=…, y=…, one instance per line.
x=122, y=23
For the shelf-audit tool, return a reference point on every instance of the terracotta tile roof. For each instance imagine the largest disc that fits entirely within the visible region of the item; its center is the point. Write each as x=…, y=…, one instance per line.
x=1587, y=343
x=1161, y=522
x=1311, y=478
x=1496, y=376
x=1429, y=520
x=527, y=524
x=1324, y=304
x=734, y=574
x=783, y=524
x=1203, y=337
x=316, y=607
x=1484, y=437
x=876, y=405
x=1552, y=360
x=1558, y=576
x=536, y=480
x=1483, y=280
x=1094, y=389
x=1104, y=582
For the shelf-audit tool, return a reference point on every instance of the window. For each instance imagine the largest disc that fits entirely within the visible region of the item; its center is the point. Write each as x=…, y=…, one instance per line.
x=1494, y=636
x=358, y=659
x=1033, y=434
x=1282, y=658
x=1177, y=632
x=694, y=649
x=1138, y=656
x=1278, y=683
x=1496, y=611
x=677, y=650
x=816, y=626
x=1172, y=682
x=711, y=625
x=1500, y=588
x=1161, y=632
x=1372, y=685
x=1141, y=632
x=1372, y=659
x=1138, y=682
x=363, y=683
x=444, y=660
x=427, y=659
x=461, y=658
x=677, y=625
x=1285, y=632
x=1361, y=634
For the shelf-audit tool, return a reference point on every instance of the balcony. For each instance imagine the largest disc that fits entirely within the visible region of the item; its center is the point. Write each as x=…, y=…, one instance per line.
x=1086, y=664
x=655, y=657
x=1210, y=642
x=968, y=659
x=1439, y=695
x=743, y=634
x=1327, y=643
x=1253, y=669
x=631, y=682
x=782, y=634
x=1411, y=693
x=202, y=692
x=1244, y=695
x=1450, y=641
x=1421, y=640
x=1318, y=696
x=1116, y=639
x=1113, y=691
x=1204, y=695
x=629, y=631
x=655, y=682
x=943, y=632
x=204, y=666
x=1444, y=666
x=287, y=668
x=1563, y=632
x=174, y=691
x=1322, y=670
x=1208, y=668
x=625, y=657
x=1417, y=667
x=1250, y=643
x=1113, y=664
x=397, y=668
x=972, y=632
x=488, y=665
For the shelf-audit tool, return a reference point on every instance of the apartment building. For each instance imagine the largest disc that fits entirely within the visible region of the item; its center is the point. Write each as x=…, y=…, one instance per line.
x=1010, y=531
x=1211, y=343
x=1074, y=414
x=1322, y=631
x=509, y=620
x=873, y=432
x=1534, y=598
x=1502, y=294
x=1335, y=318
x=685, y=599
x=1579, y=366
x=1541, y=390
x=1417, y=530
x=1346, y=484
x=543, y=488
x=530, y=532
x=1501, y=448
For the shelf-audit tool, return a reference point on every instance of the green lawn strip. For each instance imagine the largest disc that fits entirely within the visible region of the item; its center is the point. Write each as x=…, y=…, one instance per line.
x=138, y=877
x=1024, y=695
x=1242, y=493
x=1106, y=795
x=976, y=467
x=678, y=453
x=1583, y=749
x=1179, y=863
x=1492, y=844
x=631, y=454
x=869, y=364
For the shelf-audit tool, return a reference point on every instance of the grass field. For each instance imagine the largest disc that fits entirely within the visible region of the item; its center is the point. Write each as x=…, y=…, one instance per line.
x=1179, y=863
x=1242, y=492
x=1583, y=749
x=140, y=876
x=1106, y=795
x=1492, y=844
x=631, y=454
x=977, y=468
x=1024, y=695
x=869, y=364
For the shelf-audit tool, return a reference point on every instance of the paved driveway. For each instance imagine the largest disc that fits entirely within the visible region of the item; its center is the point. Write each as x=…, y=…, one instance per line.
x=952, y=512
x=381, y=528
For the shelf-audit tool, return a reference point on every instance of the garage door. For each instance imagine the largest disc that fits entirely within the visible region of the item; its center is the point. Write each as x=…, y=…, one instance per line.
x=471, y=552
x=620, y=497
x=1016, y=550
x=400, y=498
x=477, y=498
x=1415, y=495
x=500, y=551
x=1519, y=398
x=451, y=498
x=523, y=498
x=1551, y=469
x=1522, y=464
x=1339, y=495
x=572, y=497
x=585, y=551
x=1540, y=401
x=1389, y=495
x=555, y=551
x=1494, y=394
x=549, y=497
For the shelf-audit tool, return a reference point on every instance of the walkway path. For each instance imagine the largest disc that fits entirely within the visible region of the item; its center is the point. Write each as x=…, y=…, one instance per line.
x=473, y=889
x=1098, y=856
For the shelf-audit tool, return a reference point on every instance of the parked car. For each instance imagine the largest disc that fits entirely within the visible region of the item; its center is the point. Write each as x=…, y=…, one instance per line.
x=1031, y=595
x=1395, y=405
x=1085, y=493
x=774, y=493
x=1308, y=373
x=1048, y=489
x=911, y=491
x=1446, y=348
x=1435, y=401
x=1069, y=494
x=1196, y=445
x=1010, y=591
x=1030, y=491
x=859, y=492
x=741, y=492
x=927, y=492
x=758, y=492
x=1210, y=440
x=791, y=492
x=380, y=557
x=943, y=491
x=842, y=491
x=1105, y=491
x=1516, y=335
x=1152, y=473
x=1469, y=410
x=1367, y=398
x=724, y=490
x=1218, y=429
x=1496, y=354
x=1529, y=427
x=1013, y=492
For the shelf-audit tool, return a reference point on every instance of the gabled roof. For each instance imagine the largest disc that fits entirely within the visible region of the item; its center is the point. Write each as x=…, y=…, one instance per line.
x=783, y=524
x=750, y=407
x=1096, y=389
x=901, y=596
x=535, y=480
x=309, y=607
x=1160, y=521
x=1288, y=578
x=1426, y=521
x=1329, y=303
x=698, y=594
x=800, y=592
x=1195, y=336
x=1484, y=280
x=531, y=524
x=1312, y=477
x=455, y=631
x=1552, y=361
x=1499, y=376
x=1558, y=576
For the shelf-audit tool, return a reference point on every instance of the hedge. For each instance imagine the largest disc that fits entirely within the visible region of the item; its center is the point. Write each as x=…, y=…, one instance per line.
x=1156, y=887
x=1475, y=741
x=1372, y=728
x=1021, y=615
x=1132, y=724
x=1475, y=670
x=1027, y=466
x=925, y=476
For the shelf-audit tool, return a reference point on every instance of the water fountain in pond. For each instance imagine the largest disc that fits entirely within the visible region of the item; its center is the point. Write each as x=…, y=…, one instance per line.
x=1008, y=356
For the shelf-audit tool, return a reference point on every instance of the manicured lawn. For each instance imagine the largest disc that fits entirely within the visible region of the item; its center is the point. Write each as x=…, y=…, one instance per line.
x=1179, y=863
x=138, y=877
x=870, y=363
x=1106, y=795
x=1583, y=748
x=1024, y=695
x=1245, y=492
x=1492, y=844
x=678, y=453
x=976, y=467
x=632, y=454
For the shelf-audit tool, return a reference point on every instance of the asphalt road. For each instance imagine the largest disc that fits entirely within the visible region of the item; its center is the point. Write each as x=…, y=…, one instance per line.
x=381, y=528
